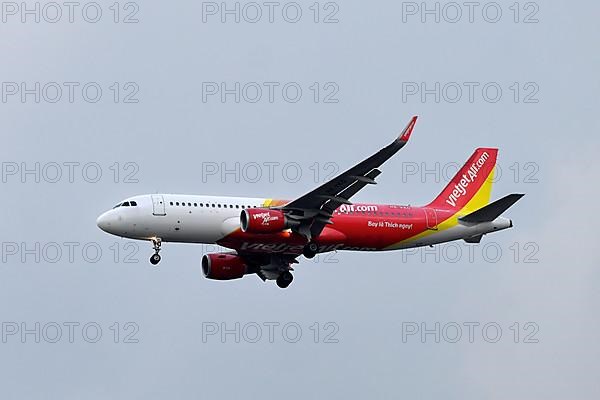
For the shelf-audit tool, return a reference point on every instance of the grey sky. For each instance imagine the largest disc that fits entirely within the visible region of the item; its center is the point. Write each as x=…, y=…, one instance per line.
x=545, y=273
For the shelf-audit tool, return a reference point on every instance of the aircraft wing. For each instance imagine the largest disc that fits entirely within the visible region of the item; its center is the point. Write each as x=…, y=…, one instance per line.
x=314, y=210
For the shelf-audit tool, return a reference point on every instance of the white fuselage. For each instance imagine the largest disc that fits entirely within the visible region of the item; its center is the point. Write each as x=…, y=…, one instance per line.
x=177, y=218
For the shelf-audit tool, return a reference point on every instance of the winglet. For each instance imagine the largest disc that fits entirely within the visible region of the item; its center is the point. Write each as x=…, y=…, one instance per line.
x=405, y=135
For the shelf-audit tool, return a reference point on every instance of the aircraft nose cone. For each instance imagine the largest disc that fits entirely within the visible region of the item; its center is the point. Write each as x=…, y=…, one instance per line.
x=104, y=222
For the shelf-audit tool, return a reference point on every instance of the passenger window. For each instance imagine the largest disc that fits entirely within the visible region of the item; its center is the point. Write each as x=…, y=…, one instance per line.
x=243, y=206
x=195, y=204
x=237, y=206
x=171, y=203
x=213, y=205
x=177, y=203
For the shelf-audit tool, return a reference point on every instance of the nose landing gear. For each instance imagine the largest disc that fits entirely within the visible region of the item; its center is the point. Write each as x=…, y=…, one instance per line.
x=155, y=258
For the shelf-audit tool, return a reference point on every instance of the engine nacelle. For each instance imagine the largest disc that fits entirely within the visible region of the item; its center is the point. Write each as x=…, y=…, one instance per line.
x=263, y=220
x=223, y=266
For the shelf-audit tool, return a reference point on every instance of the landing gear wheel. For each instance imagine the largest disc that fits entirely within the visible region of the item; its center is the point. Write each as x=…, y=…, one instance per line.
x=285, y=279
x=155, y=259
x=310, y=250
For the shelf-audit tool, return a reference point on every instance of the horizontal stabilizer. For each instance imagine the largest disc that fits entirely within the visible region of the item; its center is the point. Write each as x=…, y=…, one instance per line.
x=492, y=210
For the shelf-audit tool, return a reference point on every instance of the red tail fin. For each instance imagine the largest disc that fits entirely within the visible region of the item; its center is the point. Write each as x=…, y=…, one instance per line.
x=471, y=187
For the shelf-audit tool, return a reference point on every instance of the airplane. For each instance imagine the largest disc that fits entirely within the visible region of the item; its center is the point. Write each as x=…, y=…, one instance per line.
x=267, y=236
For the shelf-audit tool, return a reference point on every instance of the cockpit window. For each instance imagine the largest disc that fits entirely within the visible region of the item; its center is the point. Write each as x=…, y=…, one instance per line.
x=126, y=204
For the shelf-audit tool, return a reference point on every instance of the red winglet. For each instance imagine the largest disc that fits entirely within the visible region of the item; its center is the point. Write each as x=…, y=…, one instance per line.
x=405, y=135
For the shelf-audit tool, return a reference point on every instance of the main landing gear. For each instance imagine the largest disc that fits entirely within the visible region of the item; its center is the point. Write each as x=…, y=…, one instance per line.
x=284, y=279
x=310, y=250
x=155, y=259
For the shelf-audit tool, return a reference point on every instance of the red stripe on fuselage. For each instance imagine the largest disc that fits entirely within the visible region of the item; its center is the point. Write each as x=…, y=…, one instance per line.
x=356, y=227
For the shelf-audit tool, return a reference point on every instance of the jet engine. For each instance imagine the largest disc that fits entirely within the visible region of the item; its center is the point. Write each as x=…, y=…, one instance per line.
x=263, y=220
x=223, y=266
